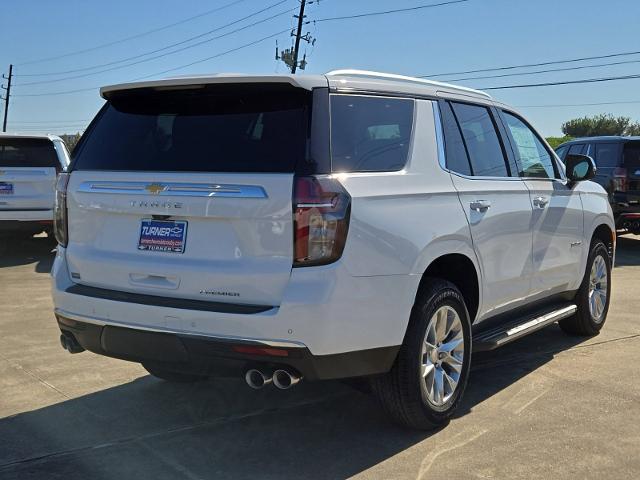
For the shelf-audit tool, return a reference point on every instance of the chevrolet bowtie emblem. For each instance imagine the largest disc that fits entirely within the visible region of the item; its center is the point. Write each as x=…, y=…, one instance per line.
x=155, y=188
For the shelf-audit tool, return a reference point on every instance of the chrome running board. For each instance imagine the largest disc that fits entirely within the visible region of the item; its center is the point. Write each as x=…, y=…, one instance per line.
x=506, y=333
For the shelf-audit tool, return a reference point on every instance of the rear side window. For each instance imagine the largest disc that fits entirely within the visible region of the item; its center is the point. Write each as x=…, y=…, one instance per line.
x=481, y=140
x=577, y=149
x=28, y=152
x=456, y=153
x=219, y=129
x=607, y=155
x=370, y=134
x=534, y=159
x=632, y=155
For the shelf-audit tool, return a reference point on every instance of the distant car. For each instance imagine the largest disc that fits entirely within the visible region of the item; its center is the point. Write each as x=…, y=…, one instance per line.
x=618, y=171
x=323, y=226
x=28, y=168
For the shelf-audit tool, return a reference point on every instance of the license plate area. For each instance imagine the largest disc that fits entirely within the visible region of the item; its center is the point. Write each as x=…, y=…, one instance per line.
x=162, y=235
x=6, y=188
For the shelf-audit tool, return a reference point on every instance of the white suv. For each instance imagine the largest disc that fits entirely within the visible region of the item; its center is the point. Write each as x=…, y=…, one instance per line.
x=28, y=168
x=321, y=227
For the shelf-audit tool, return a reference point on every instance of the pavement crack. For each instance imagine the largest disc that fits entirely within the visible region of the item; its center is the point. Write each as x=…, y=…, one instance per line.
x=35, y=376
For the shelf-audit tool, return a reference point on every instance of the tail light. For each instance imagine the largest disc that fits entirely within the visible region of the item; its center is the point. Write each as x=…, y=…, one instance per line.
x=60, y=228
x=321, y=208
x=620, y=180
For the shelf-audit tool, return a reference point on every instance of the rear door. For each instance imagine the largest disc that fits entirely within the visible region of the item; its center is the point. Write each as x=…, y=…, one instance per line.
x=557, y=223
x=496, y=204
x=631, y=164
x=188, y=193
x=28, y=168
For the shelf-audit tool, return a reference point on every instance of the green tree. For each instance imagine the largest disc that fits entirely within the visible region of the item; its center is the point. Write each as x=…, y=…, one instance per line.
x=603, y=124
x=554, y=142
x=70, y=140
x=633, y=129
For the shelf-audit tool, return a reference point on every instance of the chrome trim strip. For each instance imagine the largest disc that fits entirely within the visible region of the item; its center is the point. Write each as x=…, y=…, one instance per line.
x=27, y=173
x=536, y=324
x=102, y=322
x=174, y=189
x=439, y=135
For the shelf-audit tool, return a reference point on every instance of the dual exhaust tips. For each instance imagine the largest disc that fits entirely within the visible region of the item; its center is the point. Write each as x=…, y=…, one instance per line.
x=282, y=379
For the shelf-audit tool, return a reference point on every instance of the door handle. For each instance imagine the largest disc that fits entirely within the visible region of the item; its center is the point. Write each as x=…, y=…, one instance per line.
x=480, y=205
x=540, y=202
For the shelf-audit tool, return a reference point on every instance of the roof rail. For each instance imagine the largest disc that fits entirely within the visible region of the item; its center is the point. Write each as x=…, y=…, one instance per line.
x=403, y=78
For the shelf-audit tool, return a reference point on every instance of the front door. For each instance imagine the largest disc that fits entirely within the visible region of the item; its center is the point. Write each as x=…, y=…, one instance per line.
x=557, y=222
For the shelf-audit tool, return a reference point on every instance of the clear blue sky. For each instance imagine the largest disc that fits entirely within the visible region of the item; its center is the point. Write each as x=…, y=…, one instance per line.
x=465, y=36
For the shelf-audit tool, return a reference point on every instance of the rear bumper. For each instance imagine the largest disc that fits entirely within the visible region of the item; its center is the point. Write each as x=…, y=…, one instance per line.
x=335, y=324
x=220, y=356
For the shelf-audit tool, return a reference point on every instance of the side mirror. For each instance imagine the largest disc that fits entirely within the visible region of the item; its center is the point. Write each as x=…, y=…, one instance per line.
x=579, y=167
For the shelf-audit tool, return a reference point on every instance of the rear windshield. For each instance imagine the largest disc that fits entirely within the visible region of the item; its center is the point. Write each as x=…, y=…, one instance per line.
x=370, y=134
x=221, y=129
x=27, y=152
x=632, y=155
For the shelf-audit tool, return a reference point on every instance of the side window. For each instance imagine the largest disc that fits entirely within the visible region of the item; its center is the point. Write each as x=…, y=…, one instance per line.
x=456, y=153
x=607, y=155
x=481, y=140
x=577, y=149
x=370, y=134
x=534, y=159
x=562, y=151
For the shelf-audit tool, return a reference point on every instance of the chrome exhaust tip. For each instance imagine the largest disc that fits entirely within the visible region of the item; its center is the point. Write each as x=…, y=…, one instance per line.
x=256, y=379
x=284, y=380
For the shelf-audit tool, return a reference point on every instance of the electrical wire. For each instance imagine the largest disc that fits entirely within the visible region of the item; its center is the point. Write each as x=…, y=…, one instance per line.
x=539, y=64
x=580, y=104
x=151, y=52
x=566, y=82
x=132, y=37
x=386, y=12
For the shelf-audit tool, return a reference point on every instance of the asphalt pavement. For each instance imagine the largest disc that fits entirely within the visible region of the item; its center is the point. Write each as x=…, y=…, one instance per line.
x=549, y=406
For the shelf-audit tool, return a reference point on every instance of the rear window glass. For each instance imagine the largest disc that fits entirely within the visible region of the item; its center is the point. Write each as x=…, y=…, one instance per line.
x=632, y=155
x=27, y=152
x=370, y=134
x=607, y=155
x=221, y=129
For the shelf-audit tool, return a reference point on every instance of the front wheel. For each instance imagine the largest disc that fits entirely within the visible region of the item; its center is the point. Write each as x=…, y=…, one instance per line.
x=593, y=296
x=429, y=376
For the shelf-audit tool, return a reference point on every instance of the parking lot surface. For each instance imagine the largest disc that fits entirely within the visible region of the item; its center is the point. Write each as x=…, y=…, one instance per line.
x=548, y=406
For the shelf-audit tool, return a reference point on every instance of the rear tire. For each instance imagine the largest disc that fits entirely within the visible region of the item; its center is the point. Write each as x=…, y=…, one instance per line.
x=594, y=295
x=408, y=392
x=173, y=376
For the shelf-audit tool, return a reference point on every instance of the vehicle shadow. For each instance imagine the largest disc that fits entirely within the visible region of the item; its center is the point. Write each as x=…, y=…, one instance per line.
x=628, y=251
x=39, y=250
x=150, y=429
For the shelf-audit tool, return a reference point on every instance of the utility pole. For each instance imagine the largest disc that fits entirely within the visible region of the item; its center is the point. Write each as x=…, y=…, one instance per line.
x=296, y=48
x=6, y=97
x=290, y=55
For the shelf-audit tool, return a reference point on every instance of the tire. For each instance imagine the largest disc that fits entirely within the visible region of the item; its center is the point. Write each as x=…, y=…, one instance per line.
x=584, y=322
x=403, y=391
x=173, y=376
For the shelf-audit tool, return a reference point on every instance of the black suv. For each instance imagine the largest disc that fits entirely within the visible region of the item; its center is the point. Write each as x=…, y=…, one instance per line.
x=618, y=171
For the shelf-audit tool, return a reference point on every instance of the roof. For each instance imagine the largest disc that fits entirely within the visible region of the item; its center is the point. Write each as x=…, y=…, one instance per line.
x=603, y=138
x=338, y=80
x=29, y=135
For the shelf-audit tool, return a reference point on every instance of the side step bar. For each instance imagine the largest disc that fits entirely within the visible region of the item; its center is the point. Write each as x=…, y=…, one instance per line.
x=506, y=333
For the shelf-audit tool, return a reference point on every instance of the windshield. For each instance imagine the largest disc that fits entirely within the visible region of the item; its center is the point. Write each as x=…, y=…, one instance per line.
x=27, y=152
x=223, y=129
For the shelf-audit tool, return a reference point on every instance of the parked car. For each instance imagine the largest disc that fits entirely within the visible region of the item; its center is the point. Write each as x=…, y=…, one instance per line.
x=28, y=168
x=618, y=171
x=353, y=224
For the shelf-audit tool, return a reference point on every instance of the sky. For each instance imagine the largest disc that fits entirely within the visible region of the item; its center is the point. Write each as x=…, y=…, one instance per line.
x=456, y=37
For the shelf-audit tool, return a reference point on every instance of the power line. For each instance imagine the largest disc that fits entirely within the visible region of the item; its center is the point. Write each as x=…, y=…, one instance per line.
x=567, y=82
x=151, y=52
x=540, y=64
x=385, y=12
x=67, y=92
x=48, y=122
x=579, y=104
x=535, y=72
x=122, y=40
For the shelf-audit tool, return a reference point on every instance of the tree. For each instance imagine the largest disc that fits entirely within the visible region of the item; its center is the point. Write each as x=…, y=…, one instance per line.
x=633, y=129
x=597, y=125
x=70, y=140
x=554, y=142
